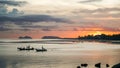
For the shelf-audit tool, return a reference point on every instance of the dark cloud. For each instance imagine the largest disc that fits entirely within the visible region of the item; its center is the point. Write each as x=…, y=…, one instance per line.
x=88, y=1
x=2, y=28
x=38, y=26
x=92, y=29
x=27, y=19
x=22, y=29
x=111, y=29
x=41, y=27
x=106, y=9
x=14, y=12
x=46, y=29
x=12, y=3
x=4, y=4
x=75, y=29
x=27, y=22
x=101, y=10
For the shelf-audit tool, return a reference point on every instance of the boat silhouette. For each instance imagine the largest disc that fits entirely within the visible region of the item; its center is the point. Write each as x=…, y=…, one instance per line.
x=25, y=48
x=41, y=50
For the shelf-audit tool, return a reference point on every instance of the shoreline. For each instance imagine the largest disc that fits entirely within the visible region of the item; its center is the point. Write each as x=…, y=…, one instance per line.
x=49, y=41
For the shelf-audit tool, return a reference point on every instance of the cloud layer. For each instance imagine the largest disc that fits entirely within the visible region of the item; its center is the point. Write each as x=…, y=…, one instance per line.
x=31, y=18
x=12, y=3
x=59, y=16
x=88, y=1
x=4, y=4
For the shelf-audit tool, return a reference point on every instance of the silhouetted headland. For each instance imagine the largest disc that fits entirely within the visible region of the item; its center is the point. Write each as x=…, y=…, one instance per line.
x=50, y=37
x=25, y=37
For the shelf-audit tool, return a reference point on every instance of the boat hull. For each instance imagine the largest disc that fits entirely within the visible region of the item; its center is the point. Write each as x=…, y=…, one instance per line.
x=25, y=49
x=41, y=50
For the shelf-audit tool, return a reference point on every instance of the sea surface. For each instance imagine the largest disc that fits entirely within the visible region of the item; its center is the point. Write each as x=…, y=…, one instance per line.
x=61, y=53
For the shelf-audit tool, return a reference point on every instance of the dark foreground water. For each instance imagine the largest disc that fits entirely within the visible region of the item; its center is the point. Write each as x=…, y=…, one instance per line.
x=60, y=54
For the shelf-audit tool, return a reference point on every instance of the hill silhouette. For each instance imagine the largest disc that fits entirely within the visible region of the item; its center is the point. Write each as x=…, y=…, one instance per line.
x=25, y=37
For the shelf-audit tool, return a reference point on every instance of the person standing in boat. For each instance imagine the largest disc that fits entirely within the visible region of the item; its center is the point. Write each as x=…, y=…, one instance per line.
x=28, y=46
x=42, y=48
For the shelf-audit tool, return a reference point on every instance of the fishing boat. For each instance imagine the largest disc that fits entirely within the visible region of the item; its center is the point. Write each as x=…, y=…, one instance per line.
x=25, y=48
x=41, y=50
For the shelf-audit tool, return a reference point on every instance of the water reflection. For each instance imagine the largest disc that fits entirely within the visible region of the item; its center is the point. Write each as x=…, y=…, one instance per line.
x=59, y=55
x=7, y=63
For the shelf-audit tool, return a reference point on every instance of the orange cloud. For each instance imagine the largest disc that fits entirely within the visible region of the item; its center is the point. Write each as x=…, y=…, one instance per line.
x=102, y=18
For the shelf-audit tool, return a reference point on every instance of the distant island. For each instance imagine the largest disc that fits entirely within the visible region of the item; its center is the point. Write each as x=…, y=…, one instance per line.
x=50, y=37
x=25, y=37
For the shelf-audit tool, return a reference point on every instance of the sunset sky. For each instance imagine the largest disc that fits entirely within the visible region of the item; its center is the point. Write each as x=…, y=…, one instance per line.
x=63, y=18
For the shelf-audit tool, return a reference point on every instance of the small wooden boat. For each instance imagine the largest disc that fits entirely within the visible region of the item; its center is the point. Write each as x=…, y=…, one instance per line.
x=25, y=48
x=41, y=50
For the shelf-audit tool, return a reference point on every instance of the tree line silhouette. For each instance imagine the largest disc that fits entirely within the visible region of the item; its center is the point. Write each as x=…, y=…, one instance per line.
x=101, y=37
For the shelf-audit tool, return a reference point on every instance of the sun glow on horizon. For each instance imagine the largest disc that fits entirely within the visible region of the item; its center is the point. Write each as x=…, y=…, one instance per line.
x=97, y=33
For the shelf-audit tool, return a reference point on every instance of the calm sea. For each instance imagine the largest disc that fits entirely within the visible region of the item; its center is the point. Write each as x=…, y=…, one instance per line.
x=61, y=54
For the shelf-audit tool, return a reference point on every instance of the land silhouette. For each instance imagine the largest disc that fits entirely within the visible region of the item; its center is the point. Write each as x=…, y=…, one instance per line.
x=88, y=37
x=101, y=37
x=50, y=37
x=25, y=37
